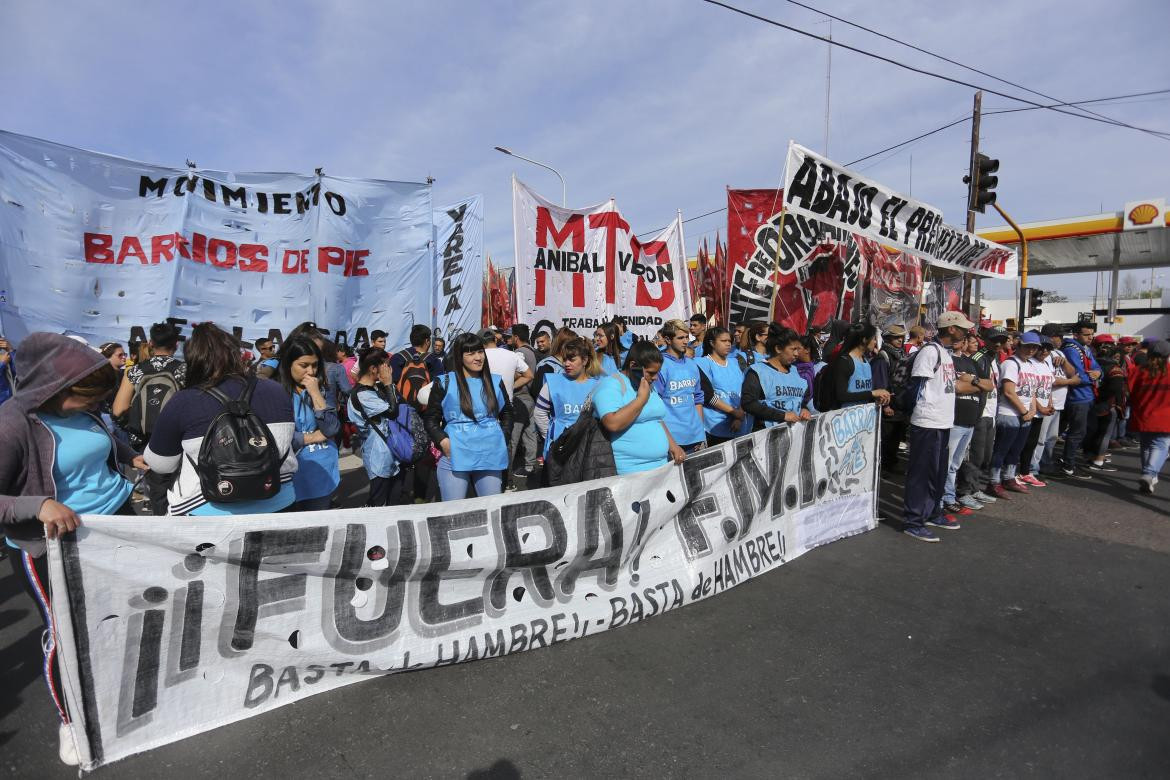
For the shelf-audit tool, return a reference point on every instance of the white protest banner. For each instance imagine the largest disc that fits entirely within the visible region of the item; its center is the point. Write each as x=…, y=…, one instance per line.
x=459, y=267
x=103, y=247
x=820, y=189
x=176, y=626
x=579, y=267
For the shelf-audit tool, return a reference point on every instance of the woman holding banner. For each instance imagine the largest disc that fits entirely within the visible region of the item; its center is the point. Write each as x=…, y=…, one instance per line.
x=636, y=418
x=773, y=390
x=58, y=462
x=722, y=379
x=467, y=412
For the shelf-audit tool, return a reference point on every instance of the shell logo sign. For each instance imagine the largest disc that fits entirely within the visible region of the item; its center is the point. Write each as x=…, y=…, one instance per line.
x=1143, y=214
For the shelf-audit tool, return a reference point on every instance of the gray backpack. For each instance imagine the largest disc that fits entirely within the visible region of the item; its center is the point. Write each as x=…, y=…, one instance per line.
x=156, y=388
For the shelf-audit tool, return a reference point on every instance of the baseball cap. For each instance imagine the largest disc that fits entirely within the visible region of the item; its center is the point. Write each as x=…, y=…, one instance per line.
x=1127, y=340
x=1029, y=338
x=1103, y=338
x=894, y=331
x=950, y=319
x=993, y=334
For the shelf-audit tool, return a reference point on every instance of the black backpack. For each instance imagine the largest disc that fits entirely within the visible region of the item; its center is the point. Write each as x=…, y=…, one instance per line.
x=904, y=386
x=824, y=391
x=238, y=460
x=156, y=387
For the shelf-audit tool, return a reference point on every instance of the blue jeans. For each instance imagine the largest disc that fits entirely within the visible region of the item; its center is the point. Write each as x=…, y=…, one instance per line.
x=1078, y=421
x=959, y=441
x=453, y=484
x=1010, y=436
x=1042, y=456
x=1155, y=448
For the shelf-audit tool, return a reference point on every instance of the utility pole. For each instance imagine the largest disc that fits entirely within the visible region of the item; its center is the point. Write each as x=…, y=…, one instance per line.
x=972, y=308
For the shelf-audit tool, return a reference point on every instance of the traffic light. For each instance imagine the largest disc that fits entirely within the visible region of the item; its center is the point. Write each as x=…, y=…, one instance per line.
x=980, y=191
x=1035, y=302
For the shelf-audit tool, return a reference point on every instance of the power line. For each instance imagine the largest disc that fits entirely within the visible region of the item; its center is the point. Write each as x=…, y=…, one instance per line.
x=1001, y=111
x=950, y=61
x=924, y=72
x=947, y=126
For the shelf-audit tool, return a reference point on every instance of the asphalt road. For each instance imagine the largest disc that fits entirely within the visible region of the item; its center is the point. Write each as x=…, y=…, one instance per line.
x=1033, y=642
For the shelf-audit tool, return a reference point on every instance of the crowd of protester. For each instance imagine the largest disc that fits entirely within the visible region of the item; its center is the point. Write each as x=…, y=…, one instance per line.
x=201, y=427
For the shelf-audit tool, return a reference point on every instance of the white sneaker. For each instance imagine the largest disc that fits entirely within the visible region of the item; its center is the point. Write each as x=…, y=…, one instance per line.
x=66, y=748
x=1146, y=484
x=982, y=497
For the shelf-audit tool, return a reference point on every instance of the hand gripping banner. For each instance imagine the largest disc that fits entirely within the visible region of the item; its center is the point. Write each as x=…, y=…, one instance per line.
x=579, y=267
x=103, y=247
x=177, y=626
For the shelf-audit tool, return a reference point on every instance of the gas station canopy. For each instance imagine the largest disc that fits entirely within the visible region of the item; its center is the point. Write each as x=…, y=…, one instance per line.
x=1136, y=237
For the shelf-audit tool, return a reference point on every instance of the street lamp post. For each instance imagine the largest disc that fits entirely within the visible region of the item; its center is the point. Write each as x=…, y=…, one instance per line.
x=508, y=151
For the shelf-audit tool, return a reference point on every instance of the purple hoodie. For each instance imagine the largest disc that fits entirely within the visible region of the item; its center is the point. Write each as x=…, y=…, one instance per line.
x=808, y=372
x=49, y=363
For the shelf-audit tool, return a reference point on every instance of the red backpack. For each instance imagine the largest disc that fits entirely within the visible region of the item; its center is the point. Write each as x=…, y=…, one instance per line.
x=414, y=377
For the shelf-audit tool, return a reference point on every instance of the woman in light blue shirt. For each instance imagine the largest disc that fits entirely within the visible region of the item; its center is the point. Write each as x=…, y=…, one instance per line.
x=466, y=416
x=723, y=377
x=636, y=418
x=607, y=340
x=318, y=464
x=373, y=403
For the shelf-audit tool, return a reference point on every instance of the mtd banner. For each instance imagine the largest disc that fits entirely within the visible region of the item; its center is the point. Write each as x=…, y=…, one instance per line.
x=580, y=267
x=103, y=247
x=459, y=264
x=176, y=626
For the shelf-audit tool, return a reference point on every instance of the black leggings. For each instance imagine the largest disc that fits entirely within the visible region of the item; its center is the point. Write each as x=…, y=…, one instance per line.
x=387, y=491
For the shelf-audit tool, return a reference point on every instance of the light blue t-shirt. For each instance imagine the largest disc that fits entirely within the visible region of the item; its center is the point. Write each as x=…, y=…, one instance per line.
x=265, y=506
x=783, y=391
x=376, y=455
x=861, y=380
x=81, y=470
x=566, y=396
x=727, y=382
x=318, y=470
x=643, y=446
x=679, y=385
x=476, y=445
x=607, y=364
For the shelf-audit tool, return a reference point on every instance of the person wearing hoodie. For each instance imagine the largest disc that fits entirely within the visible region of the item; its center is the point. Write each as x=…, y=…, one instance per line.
x=58, y=462
x=1149, y=394
x=887, y=362
x=7, y=370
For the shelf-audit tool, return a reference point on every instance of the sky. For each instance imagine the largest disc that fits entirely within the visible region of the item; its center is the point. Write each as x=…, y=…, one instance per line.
x=660, y=104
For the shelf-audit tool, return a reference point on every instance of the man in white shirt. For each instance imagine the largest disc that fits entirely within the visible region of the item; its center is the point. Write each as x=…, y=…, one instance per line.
x=1066, y=376
x=930, y=429
x=516, y=373
x=509, y=365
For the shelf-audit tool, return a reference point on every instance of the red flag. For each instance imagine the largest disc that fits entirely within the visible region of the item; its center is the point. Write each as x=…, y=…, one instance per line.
x=721, y=282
